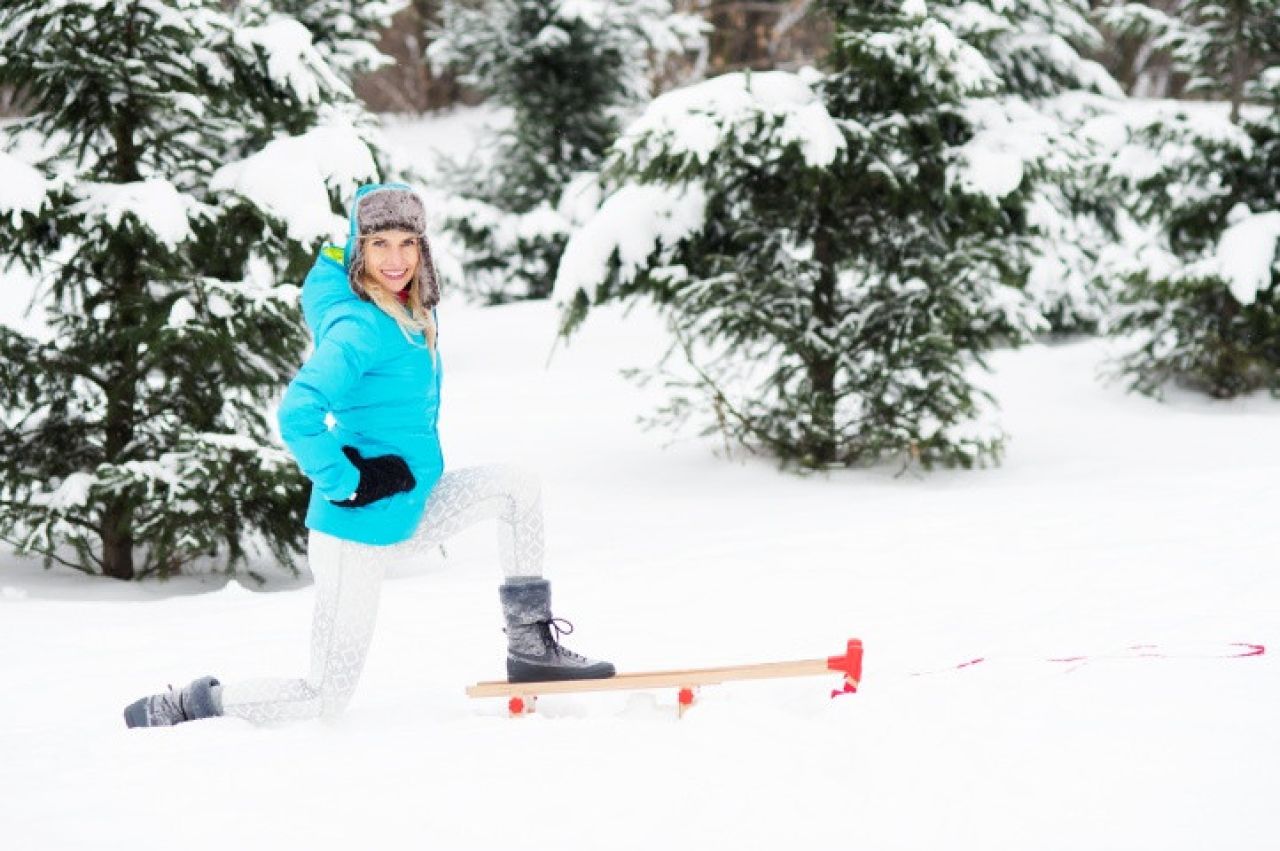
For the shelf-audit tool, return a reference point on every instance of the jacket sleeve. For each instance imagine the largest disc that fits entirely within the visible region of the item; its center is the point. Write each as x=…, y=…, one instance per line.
x=344, y=353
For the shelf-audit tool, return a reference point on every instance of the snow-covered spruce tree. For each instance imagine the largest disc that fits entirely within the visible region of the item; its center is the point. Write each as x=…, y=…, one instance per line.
x=134, y=433
x=568, y=71
x=1037, y=50
x=1202, y=308
x=834, y=254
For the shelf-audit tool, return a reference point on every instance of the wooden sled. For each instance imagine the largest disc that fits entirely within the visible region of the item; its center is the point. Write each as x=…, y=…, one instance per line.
x=522, y=697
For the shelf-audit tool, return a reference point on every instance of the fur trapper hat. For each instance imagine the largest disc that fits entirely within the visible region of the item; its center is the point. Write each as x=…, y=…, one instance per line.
x=393, y=208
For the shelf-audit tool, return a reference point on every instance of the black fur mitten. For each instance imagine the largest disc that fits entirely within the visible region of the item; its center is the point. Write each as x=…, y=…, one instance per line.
x=380, y=477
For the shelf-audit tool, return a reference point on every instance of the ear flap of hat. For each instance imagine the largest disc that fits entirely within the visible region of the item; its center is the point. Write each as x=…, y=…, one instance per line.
x=428, y=281
x=355, y=267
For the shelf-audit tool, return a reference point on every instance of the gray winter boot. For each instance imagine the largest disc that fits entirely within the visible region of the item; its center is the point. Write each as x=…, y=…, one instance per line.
x=198, y=700
x=534, y=653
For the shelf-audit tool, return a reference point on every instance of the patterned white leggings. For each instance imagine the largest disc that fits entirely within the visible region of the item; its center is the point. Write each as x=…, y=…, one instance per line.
x=348, y=581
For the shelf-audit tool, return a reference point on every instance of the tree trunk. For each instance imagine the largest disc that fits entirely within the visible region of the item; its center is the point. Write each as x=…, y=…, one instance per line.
x=117, y=540
x=1239, y=66
x=122, y=390
x=822, y=366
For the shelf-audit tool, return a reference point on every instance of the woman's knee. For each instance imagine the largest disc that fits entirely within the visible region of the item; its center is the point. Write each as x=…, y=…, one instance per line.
x=335, y=696
x=521, y=482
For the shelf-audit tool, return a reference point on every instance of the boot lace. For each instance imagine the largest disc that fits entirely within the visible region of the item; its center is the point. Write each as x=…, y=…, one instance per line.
x=173, y=705
x=553, y=641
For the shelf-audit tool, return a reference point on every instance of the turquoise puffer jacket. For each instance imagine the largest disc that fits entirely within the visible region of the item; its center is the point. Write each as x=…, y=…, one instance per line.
x=384, y=397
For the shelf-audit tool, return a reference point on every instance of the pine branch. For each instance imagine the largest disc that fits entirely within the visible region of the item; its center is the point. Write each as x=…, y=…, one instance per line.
x=17, y=545
x=71, y=520
x=720, y=400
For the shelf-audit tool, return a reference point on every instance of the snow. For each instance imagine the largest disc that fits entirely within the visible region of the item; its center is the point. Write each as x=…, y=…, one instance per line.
x=927, y=49
x=1247, y=254
x=22, y=187
x=697, y=119
x=156, y=204
x=290, y=178
x=459, y=137
x=592, y=13
x=1009, y=137
x=1114, y=521
x=182, y=312
x=292, y=61
x=551, y=38
x=212, y=65
x=653, y=21
x=631, y=224
x=970, y=19
x=73, y=492
x=17, y=310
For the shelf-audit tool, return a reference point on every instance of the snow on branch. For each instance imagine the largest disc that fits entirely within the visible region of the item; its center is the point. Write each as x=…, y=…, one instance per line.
x=156, y=204
x=292, y=60
x=698, y=119
x=1247, y=254
x=931, y=51
x=290, y=178
x=22, y=188
x=1011, y=136
x=631, y=224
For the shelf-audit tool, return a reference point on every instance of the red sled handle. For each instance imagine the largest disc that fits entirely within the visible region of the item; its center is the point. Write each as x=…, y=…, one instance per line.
x=850, y=664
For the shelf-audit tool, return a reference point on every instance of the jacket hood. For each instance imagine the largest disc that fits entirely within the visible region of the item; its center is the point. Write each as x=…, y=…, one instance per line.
x=327, y=286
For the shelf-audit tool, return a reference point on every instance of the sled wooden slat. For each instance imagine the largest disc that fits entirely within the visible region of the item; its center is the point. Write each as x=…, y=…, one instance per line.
x=656, y=679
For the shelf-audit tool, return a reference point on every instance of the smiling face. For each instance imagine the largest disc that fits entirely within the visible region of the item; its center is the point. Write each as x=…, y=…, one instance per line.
x=391, y=258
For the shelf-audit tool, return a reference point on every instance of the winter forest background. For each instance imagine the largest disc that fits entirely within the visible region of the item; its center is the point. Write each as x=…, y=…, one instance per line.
x=951, y=325
x=839, y=208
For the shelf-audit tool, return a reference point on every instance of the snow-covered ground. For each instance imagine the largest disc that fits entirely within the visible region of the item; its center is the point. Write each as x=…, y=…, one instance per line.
x=1115, y=521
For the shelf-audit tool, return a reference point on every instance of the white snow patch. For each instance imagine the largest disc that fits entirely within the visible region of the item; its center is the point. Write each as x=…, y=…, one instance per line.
x=73, y=492
x=580, y=198
x=1247, y=252
x=22, y=188
x=156, y=203
x=551, y=37
x=1010, y=136
x=181, y=313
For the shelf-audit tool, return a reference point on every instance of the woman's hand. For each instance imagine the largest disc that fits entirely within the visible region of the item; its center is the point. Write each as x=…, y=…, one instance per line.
x=380, y=477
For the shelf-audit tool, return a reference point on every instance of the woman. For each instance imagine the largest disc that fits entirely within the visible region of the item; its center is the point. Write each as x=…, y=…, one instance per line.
x=379, y=489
